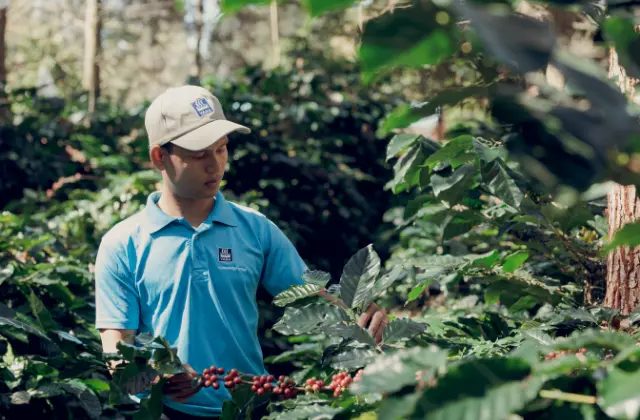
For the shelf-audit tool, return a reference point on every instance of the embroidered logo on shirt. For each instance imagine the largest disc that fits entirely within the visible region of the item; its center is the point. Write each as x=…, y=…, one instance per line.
x=224, y=254
x=202, y=107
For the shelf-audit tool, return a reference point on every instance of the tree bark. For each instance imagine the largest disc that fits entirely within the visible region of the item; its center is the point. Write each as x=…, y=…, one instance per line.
x=623, y=263
x=4, y=101
x=275, y=33
x=196, y=70
x=92, y=49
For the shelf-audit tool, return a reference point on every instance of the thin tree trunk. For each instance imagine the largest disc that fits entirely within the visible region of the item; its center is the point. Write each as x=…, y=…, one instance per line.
x=196, y=70
x=4, y=101
x=275, y=33
x=92, y=47
x=623, y=264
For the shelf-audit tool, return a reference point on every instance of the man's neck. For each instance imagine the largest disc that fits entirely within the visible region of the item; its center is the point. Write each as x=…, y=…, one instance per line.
x=195, y=211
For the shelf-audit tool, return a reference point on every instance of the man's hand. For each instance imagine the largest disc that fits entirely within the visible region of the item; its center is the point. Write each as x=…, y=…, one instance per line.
x=180, y=387
x=375, y=320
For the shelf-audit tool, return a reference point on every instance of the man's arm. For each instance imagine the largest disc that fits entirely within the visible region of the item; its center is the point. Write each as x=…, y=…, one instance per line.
x=110, y=338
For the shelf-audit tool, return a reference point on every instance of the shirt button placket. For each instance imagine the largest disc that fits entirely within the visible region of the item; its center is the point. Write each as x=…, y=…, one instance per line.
x=199, y=258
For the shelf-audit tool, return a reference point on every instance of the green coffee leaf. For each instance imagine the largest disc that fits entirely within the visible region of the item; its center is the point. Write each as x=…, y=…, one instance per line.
x=619, y=395
x=454, y=149
x=296, y=292
x=305, y=412
x=628, y=235
x=408, y=37
x=353, y=359
x=349, y=331
x=500, y=184
x=359, y=276
x=514, y=261
x=399, y=143
x=402, y=329
x=391, y=372
x=309, y=318
x=317, y=277
x=495, y=387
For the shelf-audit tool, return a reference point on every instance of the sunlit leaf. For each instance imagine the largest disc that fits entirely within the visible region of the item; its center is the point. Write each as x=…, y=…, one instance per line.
x=359, y=276
x=401, y=329
x=295, y=293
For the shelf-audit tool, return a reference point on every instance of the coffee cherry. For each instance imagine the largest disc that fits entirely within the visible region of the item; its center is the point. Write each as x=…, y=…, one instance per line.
x=336, y=393
x=228, y=384
x=205, y=371
x=254, y=388
x=316, y=387
x=213, y=378
x=215, y=385
x=237, y=380
x=277, y=390
x=270, y=378
x=267, y=386
x=220, y=371
x=260, y=391
x=287, y=393
x=256, y=378
x=281, y=378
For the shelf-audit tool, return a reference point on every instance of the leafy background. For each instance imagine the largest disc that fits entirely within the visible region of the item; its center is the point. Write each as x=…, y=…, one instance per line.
x=485, y=246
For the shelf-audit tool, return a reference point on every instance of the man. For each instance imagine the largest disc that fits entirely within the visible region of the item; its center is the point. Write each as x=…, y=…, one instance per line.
x=187, y=267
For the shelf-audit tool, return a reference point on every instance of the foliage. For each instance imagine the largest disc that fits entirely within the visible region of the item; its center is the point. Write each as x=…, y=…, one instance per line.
x=496, y=280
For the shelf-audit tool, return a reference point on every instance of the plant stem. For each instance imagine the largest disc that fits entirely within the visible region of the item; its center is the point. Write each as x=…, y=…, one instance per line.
x=556, y=394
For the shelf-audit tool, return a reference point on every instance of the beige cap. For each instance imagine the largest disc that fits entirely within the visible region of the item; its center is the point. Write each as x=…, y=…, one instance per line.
x=188, y=116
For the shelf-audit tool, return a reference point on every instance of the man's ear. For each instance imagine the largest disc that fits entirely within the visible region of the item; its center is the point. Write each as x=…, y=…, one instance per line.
x=157, y=155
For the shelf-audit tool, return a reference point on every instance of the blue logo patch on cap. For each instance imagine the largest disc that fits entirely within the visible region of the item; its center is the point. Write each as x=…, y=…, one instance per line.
x=202, y=107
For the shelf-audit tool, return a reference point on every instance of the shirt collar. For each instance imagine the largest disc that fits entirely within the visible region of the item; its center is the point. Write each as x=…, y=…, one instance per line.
x=156, y=219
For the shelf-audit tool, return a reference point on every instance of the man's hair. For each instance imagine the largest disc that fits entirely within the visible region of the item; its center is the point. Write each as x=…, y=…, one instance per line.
x=168, y=147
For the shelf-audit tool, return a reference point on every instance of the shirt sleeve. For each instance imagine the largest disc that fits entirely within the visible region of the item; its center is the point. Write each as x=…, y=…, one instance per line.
x=283, y=265
x=117, y=301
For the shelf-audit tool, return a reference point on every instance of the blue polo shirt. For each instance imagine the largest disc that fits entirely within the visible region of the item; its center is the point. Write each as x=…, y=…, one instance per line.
x=195, y=287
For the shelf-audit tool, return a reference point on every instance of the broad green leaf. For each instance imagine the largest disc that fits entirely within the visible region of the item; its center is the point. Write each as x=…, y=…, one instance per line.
x=300, y=351
x=151, y=406
x=232, y=6
x=391, y=372
x=455, y=187
x=408, y=37
x=96, y=385
x=317, y=277
x=405, y=169
x=492, y=296
x=384, y=282
x=353, y=359
x=349, y=331
x=396, y=408
x=401, y=329
x=487, y=260
x=88, y=400
x=480, y=389
x=619, y=394
x=309, y=318
x=296, y=292
x=500, y=184
x=406, y=114
x=417, y=291
x=454, y=149
x=22, y=326
x=399, y=143
x=20, y=398
x=459, y=223
x=359, y=276
x=514, y=261
x=629, y=235
x=306, y=412
x=41, y=313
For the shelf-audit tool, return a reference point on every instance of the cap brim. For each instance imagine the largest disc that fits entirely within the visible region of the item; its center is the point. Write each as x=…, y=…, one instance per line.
x=208, y=134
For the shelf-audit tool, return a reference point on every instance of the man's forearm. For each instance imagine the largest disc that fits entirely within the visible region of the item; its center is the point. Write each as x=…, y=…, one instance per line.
x=110, y=340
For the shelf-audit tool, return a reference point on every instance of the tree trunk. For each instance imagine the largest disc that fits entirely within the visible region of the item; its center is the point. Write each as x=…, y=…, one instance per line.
x=92, y=47
x=623, y=264
x=196, y=70
x=275, y=33
x=4, y=101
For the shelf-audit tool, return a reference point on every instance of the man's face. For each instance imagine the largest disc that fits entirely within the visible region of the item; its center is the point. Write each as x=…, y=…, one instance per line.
x=196, y=175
